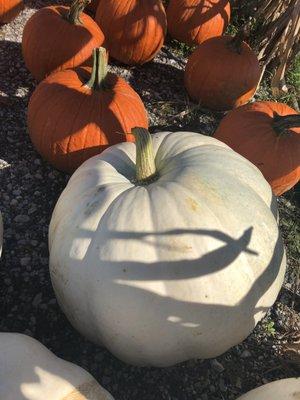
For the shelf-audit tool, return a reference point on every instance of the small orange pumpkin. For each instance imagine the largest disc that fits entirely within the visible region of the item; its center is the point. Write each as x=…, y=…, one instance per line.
x=76, y=114
x=194, y=21
x=9, y=9
x=222, y=73
x=267, y=134
x=134, y=29
x=58, y=37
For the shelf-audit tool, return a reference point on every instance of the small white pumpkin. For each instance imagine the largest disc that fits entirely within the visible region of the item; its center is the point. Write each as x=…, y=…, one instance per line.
x=285, y=389
x=30, y=371
x=169, y=259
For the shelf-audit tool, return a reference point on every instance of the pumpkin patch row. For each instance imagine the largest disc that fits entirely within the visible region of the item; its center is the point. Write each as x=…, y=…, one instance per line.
x=134, y=33
x=154, y=252
x=206, y=78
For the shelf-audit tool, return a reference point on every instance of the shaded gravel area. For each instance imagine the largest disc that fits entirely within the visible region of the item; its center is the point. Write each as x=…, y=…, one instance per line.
x=29, y=190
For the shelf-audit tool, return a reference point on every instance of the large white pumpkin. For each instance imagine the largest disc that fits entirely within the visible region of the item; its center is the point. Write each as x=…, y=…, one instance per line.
x=182, y=266
x=30, y=371
x=285, y=389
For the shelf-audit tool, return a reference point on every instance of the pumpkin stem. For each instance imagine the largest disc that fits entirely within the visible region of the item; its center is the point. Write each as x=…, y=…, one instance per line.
x=99, y=71
x=145, y=164
x=235, y=43
x=76, y=8
x=283, y=123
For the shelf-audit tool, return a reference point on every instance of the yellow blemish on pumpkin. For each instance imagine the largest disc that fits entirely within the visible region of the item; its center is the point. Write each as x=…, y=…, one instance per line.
x=192, y=204
x=87, y=391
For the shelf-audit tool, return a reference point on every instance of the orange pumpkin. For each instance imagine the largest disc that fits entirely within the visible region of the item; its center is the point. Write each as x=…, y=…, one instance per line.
x=134, y=29
x=267, y=134
x=194, y=21
x=76, y=114
x=58, y=37
x=9, y=9
x=92, y=7
x=222, y=73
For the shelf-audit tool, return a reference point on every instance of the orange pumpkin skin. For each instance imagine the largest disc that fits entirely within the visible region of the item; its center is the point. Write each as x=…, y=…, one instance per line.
x=134, y=29
x=9, y=9
x=219, y=77
x=248, y=130
x=194, y=21
x=50, y=43
x=69, y=122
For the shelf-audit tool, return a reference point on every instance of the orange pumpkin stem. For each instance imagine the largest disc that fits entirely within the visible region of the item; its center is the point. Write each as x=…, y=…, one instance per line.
x=99, y=71
x=283, y=123
x=145, y=161
x=75, y=10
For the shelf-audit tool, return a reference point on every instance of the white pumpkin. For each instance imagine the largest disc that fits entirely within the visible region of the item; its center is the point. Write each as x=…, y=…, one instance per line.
x=177, y=266
x=285, y=389
x=30, y=371
x=1, y=234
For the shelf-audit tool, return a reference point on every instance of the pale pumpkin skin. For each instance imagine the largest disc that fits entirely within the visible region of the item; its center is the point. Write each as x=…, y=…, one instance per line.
x=28, y=370
x=182, y=268
x=285, y=389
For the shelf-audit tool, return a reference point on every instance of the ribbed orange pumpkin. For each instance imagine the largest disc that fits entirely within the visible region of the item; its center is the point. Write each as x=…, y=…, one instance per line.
x=267, y=134
x=57, y=37
x=194, y=21
x=76, y=114
x=9, y=9
x=134, y=29
x=222, y=73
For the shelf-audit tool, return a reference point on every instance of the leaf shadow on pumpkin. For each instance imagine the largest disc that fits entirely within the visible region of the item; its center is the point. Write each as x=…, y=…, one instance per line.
x=167, y=313
x=130, y=29
x=212, y=10
x=18, y=82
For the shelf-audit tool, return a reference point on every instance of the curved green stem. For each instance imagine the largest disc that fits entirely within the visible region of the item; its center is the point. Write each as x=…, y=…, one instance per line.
x=283, y=123
x=97, y=80
x=145, y=161
x=75, y=10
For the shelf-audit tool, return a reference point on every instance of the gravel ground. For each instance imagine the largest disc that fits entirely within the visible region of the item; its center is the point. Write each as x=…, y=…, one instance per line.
x=29, y=190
